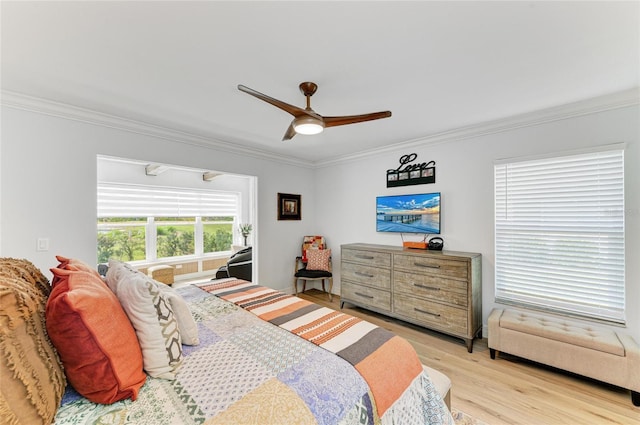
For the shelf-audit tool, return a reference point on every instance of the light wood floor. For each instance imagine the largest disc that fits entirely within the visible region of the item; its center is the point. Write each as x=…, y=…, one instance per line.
x=508, y=390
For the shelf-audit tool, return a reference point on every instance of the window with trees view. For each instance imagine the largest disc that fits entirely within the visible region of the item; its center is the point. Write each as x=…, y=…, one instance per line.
x=145, y=223
x=122, y=238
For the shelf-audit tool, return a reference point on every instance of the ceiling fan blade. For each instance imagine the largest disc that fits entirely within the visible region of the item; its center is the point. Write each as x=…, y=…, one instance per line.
x=352, y=119
x=290, y=133
x=292, y=109
x=306, y=120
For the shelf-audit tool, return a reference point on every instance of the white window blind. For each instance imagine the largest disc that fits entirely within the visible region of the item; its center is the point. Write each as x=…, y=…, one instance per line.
x=559, y=234
x=123, y=200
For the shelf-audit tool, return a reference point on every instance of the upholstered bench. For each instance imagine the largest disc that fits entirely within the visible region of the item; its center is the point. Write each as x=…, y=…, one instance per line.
x=583, y=349
x=162, y=273
x=442, y=384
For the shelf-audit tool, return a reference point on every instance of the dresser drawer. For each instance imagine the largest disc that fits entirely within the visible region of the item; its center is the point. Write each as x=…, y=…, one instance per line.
x=431, y=265
x=440, y=290
x=434, y=315
x=365, y=296
x=450, y=291
x=368, y=258
x=368, y=275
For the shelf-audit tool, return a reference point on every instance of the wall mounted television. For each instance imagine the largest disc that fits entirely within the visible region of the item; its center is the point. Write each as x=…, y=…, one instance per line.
x=416, y=213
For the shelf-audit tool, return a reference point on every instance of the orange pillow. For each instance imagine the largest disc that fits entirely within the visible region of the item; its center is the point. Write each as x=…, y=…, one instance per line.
x=96, y=342
x=77, y=265
x=318, y=259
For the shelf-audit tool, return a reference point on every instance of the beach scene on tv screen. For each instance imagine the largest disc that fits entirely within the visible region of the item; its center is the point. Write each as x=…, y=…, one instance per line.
x=408, y=213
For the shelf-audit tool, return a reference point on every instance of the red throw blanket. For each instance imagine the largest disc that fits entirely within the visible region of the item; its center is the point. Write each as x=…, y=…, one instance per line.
x=388, y=363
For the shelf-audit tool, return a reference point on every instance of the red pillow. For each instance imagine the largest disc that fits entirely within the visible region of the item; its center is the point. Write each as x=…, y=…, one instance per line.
x=96, y=342
x=318, y=259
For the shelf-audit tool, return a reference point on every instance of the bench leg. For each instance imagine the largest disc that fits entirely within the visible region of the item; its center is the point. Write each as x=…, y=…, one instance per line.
x=635, y=398
x=492, y=353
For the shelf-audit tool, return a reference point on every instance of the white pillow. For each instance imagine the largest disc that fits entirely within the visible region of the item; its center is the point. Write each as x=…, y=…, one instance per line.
x=152, y=317
x=186, y=323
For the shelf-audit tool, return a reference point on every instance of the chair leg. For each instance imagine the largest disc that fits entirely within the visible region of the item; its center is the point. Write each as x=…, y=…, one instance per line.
x=295, y=285
x=330, y=288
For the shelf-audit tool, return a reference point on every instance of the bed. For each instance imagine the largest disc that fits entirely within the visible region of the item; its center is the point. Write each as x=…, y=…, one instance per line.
x=265, y=357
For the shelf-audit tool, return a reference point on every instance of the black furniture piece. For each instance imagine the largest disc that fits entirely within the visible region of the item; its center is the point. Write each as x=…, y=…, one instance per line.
x=239, y=265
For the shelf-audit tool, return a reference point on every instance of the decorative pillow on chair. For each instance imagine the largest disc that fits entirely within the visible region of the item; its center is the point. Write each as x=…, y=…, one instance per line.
x=311, y=242
x=31, y=377
x=94, y=337
x=318, y=259
x=152, y=317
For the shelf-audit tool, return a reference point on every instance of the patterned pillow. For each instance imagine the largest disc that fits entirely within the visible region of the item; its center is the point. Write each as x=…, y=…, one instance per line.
x=94, y=337
x=31, y=377
x=186, y=323
x=152, y=317
x=311, y=242
x=318, y=259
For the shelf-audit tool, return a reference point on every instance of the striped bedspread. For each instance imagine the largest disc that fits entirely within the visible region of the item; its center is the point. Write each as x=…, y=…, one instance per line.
x=388, y=363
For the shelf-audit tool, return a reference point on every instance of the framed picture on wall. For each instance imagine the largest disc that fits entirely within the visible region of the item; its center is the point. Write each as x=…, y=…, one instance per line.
x=289, y=206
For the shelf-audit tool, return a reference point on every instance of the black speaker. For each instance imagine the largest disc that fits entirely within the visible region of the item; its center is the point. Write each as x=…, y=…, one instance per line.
x=436, y=244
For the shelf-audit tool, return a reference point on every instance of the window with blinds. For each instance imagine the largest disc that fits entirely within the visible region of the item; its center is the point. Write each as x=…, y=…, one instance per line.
x=145, y=223
x=124, y=200
x=559, y=234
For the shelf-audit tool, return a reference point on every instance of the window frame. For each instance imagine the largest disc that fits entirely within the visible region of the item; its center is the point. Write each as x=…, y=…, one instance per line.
x=520, y=225
x=127, y=206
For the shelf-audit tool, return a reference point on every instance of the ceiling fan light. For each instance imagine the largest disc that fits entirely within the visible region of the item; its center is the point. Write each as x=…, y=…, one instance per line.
x=308, y=125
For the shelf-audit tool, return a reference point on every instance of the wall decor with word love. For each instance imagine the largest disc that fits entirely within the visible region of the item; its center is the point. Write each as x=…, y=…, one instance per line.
x=408, y=173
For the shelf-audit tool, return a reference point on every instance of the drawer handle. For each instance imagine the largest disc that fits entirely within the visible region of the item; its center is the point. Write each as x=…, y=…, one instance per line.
x=365, y=257
x=428, y=266
x=431, y=288
x=426, y=312
x=364, y=295
x=363, y=274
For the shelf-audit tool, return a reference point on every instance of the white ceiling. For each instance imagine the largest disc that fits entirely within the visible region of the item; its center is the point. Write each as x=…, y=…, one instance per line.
x=438, y=66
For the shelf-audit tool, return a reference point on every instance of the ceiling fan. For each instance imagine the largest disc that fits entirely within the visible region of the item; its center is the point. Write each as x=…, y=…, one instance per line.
x=307, y=121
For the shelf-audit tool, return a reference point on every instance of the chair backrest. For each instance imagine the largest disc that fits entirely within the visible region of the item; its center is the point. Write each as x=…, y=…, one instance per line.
x=312, y=242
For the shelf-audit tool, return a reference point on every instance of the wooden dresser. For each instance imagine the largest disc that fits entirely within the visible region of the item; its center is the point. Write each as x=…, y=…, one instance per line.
x=439, y=290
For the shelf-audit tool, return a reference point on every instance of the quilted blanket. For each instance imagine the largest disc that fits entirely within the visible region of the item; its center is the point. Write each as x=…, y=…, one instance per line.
x=270, y=358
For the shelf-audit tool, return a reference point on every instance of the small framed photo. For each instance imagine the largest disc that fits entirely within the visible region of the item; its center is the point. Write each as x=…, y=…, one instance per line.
x=289, y=206
x=428, y=172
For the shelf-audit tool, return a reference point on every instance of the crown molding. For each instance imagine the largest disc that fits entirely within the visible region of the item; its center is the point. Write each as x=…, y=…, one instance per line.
x=621, y=99
x=617, y=100
x=62, y=110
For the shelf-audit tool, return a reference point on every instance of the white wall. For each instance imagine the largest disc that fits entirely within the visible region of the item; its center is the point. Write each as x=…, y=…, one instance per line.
x=48, y=181
x=346, y=192
x=48, y=189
